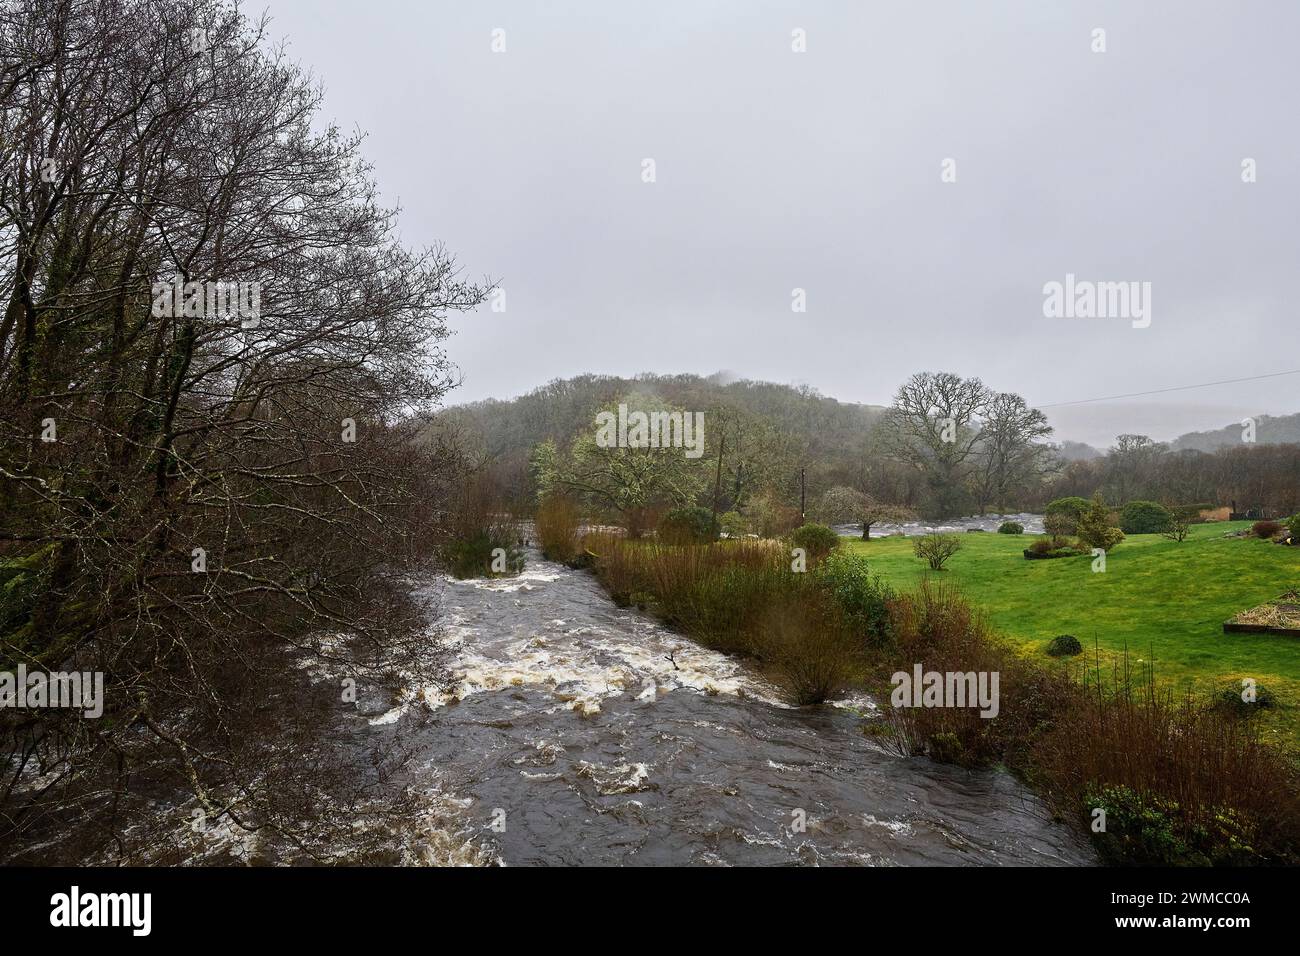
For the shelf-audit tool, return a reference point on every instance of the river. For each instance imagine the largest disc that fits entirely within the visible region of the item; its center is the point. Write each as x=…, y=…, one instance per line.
x=573, y=738
x=1032, y=524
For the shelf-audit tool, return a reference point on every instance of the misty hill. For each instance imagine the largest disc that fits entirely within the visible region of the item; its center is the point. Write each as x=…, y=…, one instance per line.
x=806, y=424
x=1077, y=451
x=1269, y=430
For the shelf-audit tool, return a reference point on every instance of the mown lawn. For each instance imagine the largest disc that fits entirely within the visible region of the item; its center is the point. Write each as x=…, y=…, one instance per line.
x=1165, y=600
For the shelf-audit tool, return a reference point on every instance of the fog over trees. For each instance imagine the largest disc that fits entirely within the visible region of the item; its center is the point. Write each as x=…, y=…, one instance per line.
x=948, y=446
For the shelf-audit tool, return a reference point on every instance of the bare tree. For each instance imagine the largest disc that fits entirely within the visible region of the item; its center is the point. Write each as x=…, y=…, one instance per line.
x=1011, y=452
x=195, y=494
x=932, y=428
x=1131, y=459
x=1180, y=523
x=936, y=549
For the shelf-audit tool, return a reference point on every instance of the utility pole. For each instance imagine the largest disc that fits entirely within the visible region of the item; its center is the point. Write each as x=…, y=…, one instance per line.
x=803, y=496
x=717, y=481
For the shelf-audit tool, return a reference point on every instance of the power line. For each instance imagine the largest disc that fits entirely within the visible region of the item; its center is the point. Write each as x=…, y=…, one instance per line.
x=1175, y=388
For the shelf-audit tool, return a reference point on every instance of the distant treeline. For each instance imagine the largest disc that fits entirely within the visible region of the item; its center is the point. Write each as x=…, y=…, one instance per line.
x=1251, y=475
x=946, y=446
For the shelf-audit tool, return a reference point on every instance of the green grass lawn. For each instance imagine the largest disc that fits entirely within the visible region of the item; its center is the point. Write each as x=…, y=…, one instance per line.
x=1165, y=600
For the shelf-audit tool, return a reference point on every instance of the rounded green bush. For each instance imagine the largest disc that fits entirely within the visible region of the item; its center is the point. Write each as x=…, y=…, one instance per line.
x=1073, y=506
x=1011, y=527
x=1145, y=517
x=817, y=540
x=863, y=597
x=1062, y=516
x=733, y=524
x=1064, y=645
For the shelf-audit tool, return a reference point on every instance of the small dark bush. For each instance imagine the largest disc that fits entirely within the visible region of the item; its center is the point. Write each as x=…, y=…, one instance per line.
x=1265, y=529
x=689, y=525
x=817, y=540
x=1145, y=517
x=1011, y=527
x=1053, y=547
x=1064, y=645
x=473, y=557
x=1231, y=699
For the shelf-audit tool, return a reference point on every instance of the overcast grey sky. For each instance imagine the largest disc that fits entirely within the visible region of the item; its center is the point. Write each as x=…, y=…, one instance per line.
x=821, y=170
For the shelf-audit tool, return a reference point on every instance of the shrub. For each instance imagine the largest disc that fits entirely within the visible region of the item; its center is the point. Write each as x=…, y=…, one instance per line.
x=1064, y=645
x=1047, y=549
x=733, y=524
x=478, y=532
x=1052, y=544
x=769, y=518
x=934, y=625
x=1011, y=527
x=817, y=540
x=1265, y=529
x=861, y=596
x=557, y=529
x=1180, y=523
x=476, y=555
x=1094, y=528
x=1145, y=517
x=1140, y=829
x=688, y=525
x=1230, y=699
x=1179, y=784
x=936, y=549
x=808, y=651
x=1293, y=528
x=945, y=747
x=1058, y=525
x=1067, y=511
x=740, y=597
